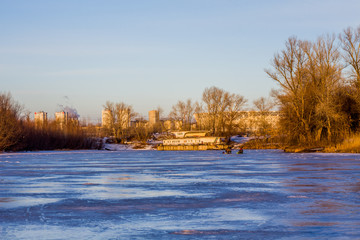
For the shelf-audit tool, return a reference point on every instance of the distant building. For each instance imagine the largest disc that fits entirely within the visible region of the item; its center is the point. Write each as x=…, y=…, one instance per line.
x=137, y=123
x=61, y=119
x=154, y=117
x=40, y=118
x=105, y=118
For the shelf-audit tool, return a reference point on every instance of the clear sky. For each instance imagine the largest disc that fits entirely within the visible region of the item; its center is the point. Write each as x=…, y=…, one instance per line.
x=149, y=53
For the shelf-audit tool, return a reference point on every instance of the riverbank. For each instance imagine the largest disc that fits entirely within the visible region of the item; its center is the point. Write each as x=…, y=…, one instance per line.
x=260, y=143
x=349, y=145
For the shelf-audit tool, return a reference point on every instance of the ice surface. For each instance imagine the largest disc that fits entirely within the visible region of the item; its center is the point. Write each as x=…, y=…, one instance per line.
x=261, y=194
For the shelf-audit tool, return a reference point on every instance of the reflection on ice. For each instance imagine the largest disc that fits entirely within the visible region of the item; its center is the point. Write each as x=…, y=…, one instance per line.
x=101, y=192
x=232, y=214
x=53, y=232
x=15, y=202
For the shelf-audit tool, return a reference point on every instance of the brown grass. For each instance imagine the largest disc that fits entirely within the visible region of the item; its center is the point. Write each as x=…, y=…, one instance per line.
x=349, y=145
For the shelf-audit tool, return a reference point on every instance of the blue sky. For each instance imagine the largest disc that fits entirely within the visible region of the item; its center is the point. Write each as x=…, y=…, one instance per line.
x=82, y=53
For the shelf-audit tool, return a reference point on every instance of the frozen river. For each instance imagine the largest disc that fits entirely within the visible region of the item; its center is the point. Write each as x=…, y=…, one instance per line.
x=262, y=194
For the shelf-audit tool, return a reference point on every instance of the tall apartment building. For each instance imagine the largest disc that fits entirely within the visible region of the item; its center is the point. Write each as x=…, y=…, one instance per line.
x=61, y=118
x=154, y=117
x=40, y=118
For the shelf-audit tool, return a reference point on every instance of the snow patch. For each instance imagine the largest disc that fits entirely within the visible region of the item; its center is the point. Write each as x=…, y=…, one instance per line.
x=240, y=139
x=124, y=147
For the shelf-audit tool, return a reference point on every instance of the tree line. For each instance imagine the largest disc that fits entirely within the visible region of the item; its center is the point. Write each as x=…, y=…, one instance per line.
x=218, y=112
x=319, y=88
x=19, y=133
x=117, y=123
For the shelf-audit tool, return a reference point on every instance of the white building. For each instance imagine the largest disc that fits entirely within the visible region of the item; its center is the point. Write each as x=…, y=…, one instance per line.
x=40, y=118
x=154, y=117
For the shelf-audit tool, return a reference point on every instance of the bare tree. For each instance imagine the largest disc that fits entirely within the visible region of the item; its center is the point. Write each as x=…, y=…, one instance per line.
x=222, y=109
x=290, y=71
x=198, y=112
x=178, y=112
x=263, y=107
x=350, y=39
x=234, y=111
x=309, y=75
x=10, y=116
x=119, y=116
x=216, y=102
x=141, y=131
x=190, y=108
x=325, y=75
x=350, y=43
x=184, y=112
